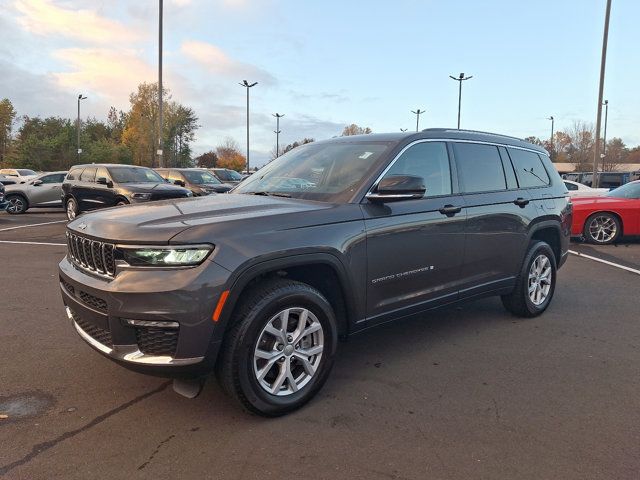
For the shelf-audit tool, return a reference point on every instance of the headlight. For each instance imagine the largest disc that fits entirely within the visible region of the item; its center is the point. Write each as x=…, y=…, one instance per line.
x=187, y=256
x=141, y=196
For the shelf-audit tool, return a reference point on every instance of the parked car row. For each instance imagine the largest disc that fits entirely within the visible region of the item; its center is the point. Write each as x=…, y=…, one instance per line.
x=608, y=180
x=94, y=186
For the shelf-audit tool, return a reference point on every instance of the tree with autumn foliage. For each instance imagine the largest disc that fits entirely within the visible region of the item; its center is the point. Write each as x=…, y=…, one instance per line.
x=229, y=155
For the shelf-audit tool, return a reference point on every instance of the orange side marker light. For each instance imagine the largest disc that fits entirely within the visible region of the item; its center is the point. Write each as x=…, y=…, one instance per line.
x=218, y=311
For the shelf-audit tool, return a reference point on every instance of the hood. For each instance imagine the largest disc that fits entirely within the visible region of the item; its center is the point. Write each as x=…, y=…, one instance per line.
x=159, y=222
x=600, y=201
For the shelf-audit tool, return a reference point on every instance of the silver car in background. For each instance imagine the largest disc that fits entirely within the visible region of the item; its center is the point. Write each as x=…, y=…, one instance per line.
x=43, y=191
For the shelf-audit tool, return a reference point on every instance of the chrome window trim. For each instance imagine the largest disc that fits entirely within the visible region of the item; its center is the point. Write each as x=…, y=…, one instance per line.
x=450, y=140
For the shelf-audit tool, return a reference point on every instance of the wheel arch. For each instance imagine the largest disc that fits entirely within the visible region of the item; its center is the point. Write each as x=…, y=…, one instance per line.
x=323, y=271
x=550, y=232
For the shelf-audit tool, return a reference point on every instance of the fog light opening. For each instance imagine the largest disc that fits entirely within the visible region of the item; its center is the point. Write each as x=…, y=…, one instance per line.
x=151, y=323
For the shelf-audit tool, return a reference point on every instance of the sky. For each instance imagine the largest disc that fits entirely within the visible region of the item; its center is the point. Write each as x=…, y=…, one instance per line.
x=325, y=64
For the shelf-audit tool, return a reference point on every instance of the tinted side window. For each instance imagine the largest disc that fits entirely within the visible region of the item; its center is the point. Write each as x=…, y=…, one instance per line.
x=480, y=167
x=74, y=174
x=529, y=168
x=570, y=186
x=103, y=173
x=430, y=161
x=88, y=175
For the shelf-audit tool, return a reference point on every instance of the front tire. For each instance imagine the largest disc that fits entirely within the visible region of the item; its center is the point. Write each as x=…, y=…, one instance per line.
x=71, y=207
x=602, y=228
x=280, y=348
x=536, y=283
x=17, y=204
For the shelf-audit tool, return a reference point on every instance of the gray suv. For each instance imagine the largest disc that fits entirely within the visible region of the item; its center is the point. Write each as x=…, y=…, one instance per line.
x=326, y=241
x=41, y=192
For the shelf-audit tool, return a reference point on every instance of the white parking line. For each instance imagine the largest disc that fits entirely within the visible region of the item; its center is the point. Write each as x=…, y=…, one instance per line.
x=33, y=243
x=596, y=259
x=31, y=225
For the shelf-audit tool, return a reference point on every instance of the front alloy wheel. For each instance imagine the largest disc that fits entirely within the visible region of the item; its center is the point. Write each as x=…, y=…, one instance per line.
x=602, y=229
x=16, y=205
x=279, y=349
x=288, y=351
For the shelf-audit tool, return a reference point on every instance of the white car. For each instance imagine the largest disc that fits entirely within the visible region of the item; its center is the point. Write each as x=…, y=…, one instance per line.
x=579, y=190
x=20, y=174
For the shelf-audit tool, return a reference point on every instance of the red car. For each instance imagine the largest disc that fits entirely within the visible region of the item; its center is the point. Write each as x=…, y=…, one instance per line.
x=604, y=219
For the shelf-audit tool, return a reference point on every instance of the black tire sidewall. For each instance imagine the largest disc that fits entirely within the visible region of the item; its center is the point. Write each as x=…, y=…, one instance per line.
x=256, y=320
x=536, y=250
x=587, y=234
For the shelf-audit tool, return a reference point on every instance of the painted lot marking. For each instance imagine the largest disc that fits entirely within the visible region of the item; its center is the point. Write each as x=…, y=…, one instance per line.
x=32, y=225
x=33, y=243
x=606, y=262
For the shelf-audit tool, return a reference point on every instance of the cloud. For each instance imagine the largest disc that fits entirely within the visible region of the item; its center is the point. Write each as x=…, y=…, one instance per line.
x=113, y=74
x=42, y=17
x=215, y=61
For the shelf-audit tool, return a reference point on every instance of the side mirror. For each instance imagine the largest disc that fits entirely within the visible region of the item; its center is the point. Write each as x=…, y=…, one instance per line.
x=36, y=183
x=104, y=181
x=398, y=187
x=178, y=182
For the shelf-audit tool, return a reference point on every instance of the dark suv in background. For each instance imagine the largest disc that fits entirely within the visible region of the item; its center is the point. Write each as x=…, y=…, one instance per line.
x=198, y=180
x=327, y=240
x=94, y=186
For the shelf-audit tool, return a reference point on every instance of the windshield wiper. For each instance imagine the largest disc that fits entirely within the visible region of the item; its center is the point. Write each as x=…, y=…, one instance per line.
x=270, y=194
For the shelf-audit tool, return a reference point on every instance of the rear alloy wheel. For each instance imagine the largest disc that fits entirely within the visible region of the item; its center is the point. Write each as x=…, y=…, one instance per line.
x=280, y=348
x=17, y=205
x=536, y=283
x=602, y=228
x=72, y=209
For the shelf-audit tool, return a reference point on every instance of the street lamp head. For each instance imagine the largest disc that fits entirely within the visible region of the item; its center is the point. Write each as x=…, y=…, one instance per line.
x=461, y=77
x=81, y=97
x=606, y=102
x=550, y=118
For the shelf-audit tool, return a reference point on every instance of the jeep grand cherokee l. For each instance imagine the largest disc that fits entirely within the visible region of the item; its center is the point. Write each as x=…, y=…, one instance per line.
x=327, y=240
x=94, y=186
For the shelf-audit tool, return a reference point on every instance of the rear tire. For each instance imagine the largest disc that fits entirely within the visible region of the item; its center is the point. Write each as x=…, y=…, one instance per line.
x=71, y=207
x=273, y=369
x=602, y=229
x=17, y=204
x=536, y=282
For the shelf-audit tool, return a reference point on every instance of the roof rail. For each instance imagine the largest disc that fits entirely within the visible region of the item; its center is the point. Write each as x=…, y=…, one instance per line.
x=470, y=131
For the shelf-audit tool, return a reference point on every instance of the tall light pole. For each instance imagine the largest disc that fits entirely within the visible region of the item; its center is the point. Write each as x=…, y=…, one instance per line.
x=160, y=123
x=80, y=97
x=603, y=62
x=551, y=139
x=604, y=142
x=461, y=78
x=277, y=132
x=417, y=114
x=248, y=85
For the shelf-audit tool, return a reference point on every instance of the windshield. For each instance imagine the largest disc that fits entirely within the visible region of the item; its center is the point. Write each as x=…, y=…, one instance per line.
x=228, y=175
x=134, y=175
x=199, y=177
x=629, y=190
x=329, y=172
x=24, y=172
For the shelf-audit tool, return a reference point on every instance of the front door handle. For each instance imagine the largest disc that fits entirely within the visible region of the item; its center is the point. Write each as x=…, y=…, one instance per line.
x=450, y=210
x=521, y=202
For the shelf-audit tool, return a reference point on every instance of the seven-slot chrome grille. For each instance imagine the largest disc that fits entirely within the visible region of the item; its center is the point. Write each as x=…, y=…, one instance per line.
x=92, y=255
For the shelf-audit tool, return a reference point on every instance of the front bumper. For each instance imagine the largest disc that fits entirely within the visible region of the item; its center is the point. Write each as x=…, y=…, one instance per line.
x=180, y=302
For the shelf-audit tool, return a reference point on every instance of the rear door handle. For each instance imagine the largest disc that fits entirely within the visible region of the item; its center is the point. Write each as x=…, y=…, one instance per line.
x=450, y=210
x=521, y=202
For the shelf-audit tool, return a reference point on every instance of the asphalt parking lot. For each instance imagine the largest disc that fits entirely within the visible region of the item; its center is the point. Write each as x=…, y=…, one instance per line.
x=460, y=393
